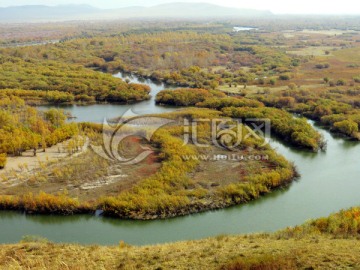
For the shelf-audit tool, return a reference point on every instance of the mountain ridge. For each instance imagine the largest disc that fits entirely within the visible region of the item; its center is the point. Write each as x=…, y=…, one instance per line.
x=30, y=13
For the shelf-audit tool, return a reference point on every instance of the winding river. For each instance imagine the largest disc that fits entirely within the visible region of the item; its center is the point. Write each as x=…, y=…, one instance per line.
x=96, y=113
x=330, y=181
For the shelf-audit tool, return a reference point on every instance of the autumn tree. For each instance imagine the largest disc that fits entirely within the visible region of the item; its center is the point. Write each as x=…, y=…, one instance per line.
x=3, y=160
x=347, y=127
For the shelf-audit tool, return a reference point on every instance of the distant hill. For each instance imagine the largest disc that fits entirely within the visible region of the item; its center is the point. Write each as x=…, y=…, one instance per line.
x=83, y=12
x=193, y=10
x=43, y=13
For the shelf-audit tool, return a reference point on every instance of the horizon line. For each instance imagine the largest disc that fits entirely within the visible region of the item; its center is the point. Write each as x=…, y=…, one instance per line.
x=189, y=3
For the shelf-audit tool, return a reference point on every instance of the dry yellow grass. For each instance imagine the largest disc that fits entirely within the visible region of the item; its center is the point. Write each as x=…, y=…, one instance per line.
x=250, y=89
x=310, y=252
x=351, y=55
x=254, y=89
x=332, y=32
x=315, y=51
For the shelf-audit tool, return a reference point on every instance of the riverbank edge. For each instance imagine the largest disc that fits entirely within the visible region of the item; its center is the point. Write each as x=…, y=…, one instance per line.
x=82, y=103
x=48, y=204
x=324, y=243
x=188, y=85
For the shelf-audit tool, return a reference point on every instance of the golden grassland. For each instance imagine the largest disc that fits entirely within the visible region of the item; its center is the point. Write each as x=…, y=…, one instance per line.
x=215, y=253
x=350, y=55
x=312, y=51
x=326, y=243
x=222, y=252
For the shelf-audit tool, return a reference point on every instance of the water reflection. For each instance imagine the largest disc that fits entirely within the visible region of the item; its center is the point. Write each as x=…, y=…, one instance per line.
x=97, y=112
x=329, y=182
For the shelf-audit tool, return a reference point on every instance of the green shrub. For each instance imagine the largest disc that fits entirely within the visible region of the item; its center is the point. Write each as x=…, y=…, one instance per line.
x=295, y=130
x=322, y=66
x=357, y=79
x=186, y=96
x=341, y=82
x=284, y=77
x=347, y=127
x=272, y=81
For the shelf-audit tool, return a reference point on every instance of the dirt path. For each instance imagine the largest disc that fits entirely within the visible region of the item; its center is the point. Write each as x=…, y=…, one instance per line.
x=28, y=162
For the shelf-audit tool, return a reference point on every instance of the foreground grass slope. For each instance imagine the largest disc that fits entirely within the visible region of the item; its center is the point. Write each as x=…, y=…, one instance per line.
x=315, y=245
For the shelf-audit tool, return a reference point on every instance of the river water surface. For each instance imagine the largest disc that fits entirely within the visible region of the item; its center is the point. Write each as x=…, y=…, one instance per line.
x=329, y=182
x=97, y=112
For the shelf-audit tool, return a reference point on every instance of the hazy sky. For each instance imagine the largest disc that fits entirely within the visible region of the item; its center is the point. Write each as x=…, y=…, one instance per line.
x=276, y=6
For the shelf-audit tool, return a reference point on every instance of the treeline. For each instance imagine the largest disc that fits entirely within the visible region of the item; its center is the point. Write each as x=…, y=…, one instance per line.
x=77, y=82
x=220, y=103
x=39, y=96
x=337, y=108
x=186, y=96
x=203, y=98
x=343, y=224
x=44, y=203
x=23, y=128
x=297, y=131
x=197, y=77
x=184, y=58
